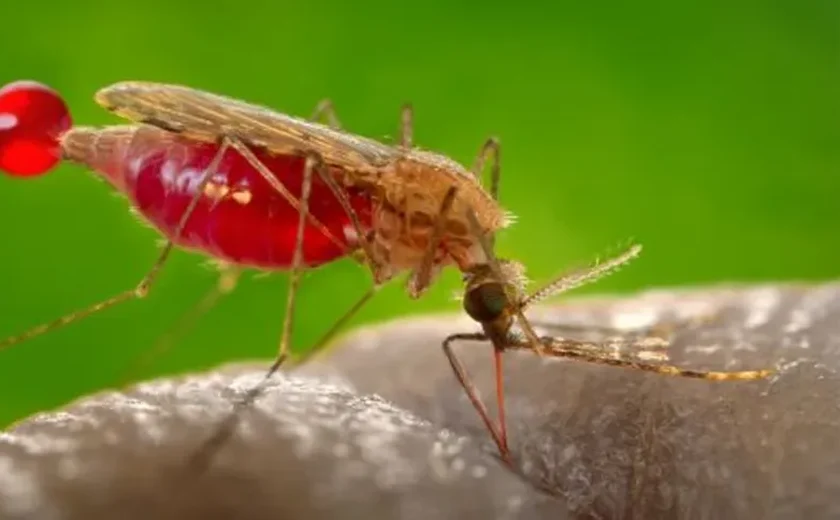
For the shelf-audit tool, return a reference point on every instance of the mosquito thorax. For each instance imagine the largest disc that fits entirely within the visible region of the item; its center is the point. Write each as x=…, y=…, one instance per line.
x=32, y=118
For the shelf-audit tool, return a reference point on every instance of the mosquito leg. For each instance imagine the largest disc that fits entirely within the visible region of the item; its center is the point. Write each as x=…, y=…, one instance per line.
x=598, y=353
x=421, y=277
x=325, y=111
x=228, y=279
x=499, y=437
x=314, y=162
x=322, y=171
x=366, y=247
x=297, y=264
x=201, y=458
x=146, y=283
x=341, y=196
x=407, y=126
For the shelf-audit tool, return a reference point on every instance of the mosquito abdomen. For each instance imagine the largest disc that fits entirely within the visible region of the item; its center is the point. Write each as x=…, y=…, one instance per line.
x=239, y=218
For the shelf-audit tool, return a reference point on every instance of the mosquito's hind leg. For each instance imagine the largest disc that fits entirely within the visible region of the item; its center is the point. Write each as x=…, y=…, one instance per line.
x=499, y=434
x=325, y=112
x=144, y=286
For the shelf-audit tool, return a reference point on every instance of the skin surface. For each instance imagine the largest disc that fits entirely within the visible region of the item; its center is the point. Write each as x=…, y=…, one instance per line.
x=377, y=427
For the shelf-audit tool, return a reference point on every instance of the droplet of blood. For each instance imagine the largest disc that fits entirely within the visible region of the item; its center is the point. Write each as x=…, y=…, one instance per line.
x=32, y=118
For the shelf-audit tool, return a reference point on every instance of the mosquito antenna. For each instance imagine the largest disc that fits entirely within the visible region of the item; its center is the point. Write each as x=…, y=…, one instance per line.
x=578, y=277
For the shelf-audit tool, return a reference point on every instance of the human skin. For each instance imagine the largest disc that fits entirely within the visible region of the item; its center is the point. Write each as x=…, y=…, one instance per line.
x=377, y=427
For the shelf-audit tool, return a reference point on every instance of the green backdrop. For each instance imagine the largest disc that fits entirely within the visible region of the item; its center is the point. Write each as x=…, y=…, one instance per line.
x=710, y=131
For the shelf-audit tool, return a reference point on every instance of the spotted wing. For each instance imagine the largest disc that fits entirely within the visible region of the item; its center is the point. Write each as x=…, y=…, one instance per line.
x=206, y=117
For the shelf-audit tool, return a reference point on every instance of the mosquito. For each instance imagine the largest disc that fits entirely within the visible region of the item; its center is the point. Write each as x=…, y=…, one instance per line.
x=287, y=194
x=281, y=193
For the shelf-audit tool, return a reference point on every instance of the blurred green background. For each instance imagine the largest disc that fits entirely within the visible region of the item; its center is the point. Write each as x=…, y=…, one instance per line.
x=710, y=131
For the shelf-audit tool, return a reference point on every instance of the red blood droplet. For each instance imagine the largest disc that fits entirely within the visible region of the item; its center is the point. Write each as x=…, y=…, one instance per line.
x=32, y=118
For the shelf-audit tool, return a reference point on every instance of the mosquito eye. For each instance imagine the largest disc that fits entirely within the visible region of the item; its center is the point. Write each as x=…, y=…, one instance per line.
x=486, y=302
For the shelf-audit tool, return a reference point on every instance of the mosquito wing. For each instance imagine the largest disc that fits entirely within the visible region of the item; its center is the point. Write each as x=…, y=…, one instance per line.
x=206, y=117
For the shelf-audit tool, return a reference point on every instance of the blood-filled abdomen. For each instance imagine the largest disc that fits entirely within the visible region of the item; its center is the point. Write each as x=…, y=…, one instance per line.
x=239, y=217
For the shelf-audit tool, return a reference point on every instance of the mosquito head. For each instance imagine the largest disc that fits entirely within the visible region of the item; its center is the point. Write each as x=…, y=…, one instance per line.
x=485, y=298
x=32, y=119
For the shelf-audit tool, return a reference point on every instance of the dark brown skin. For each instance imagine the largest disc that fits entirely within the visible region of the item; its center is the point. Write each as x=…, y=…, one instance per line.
x=650, y=446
